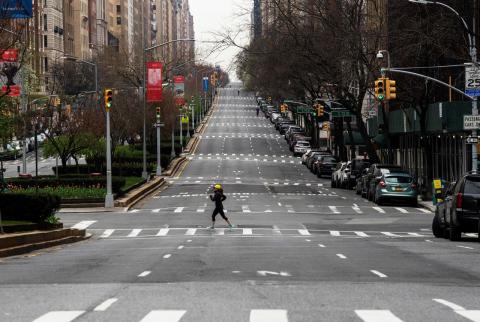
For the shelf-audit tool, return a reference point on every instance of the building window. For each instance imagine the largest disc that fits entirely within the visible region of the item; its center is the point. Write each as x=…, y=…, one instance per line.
x=119, y=9
x=45, y=27
x=119, y=20
x=45, y=41
x=45, y=63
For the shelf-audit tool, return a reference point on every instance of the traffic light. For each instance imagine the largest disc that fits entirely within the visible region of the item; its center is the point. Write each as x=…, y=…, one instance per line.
x=391, y=90
x=158, y=114
x=108, y=97
x=320, y=109
x=380, y=89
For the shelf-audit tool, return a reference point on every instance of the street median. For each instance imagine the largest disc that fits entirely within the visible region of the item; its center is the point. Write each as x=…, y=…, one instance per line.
x=134, y=196
x=21, y=243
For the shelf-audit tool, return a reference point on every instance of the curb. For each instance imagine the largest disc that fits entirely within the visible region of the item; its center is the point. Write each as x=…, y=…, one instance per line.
x=18, y=244
x=174, y=166
x=136, y=195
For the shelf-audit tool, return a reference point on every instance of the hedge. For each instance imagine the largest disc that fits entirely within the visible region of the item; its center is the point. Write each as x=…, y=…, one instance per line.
x=128, y=170
x=66, y=181
x=28, y=206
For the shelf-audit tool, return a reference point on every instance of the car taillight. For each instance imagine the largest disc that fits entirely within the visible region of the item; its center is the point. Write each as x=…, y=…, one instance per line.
x=382, y=184
x=459, y=200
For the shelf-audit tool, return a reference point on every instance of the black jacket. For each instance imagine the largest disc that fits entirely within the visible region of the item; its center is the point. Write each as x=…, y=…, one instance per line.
x=218, y=197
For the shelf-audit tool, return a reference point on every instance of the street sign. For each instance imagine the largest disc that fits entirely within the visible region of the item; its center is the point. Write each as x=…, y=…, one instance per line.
x=158, y=125
x=185, y=119
x=205, y=84
x=472, y=80
x=471, y=122
x=341, y=113
x=304, y=110
x=472, y=140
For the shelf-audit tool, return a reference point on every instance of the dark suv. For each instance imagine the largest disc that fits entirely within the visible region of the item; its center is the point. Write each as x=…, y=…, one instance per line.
x=459, y=211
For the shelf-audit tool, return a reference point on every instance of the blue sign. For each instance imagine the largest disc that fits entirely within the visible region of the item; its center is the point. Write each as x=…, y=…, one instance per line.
x=205, y=84
x=15, y=9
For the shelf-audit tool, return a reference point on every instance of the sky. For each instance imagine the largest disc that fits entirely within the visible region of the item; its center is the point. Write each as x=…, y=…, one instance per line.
x=213, y=18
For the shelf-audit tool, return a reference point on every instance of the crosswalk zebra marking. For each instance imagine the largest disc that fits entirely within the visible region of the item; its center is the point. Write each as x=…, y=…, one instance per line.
x=357, y=210
x=163, y=232
x=83, y=224
x=361, y=234
x=164, y=316
x=424, y=210
x=107, y=233
x=402, y=210
x=247, y=231
x=304, y=232
x=179, y=209
x=134, y=233
x=191, y=231
x=377, y=316
x=268, y=316
x=59, y=316
x=380, y=210
x=334, y=209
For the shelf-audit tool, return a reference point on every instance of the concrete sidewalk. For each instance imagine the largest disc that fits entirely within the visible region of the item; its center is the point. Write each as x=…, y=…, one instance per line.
x=427, y=205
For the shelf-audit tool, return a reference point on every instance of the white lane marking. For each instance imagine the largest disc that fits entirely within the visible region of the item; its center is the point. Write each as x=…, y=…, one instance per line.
x=245, y=208
x=59, y=316
x=133, y=211
x=428, y=241
x=201, y=210
x=472, y=315
x=143, y=274
x=191, y=231
x=107, y=233
x=357, y=210
x=416, y=235
x=268, y=210
x=451, y=305
x=220, y=231
x=134, y=233
x=105, y=305
x=164, y=316
x=308, y=184
x=321, y=245
x=304, y=232
x=268, y=316
x=335, y=233
x=156, y=211
x=180, y=247
x=424, y=210
x=179, y=209
x=380, y=210
x=386, y=233
x=471, y=235
x=402, y=210
x=361, y=234
x=83, y=225
x=247, y=231
x=466, y=247
x=377, y=316
x=189, y=241
x=379, y=274
x=334, y=209
x=163, y=232
x=341, y=256
x=167, y=256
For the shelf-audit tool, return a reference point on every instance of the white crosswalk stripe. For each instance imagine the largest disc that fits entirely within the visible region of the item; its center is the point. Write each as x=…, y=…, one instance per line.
x=163, y=316
x=134, y=233
x=377, y=316
x=179, y=209
x=334, y=209
x=59, y=316
x=245, y=208
x=268, y=316
x=84, y=224
x=107, y=233
x=163, y=232
x=402, y=210
x=380, y=210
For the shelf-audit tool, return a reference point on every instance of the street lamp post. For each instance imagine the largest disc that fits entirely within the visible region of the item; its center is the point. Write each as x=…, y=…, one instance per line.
x=145, y=51
x=473, y=57
x=109, y=196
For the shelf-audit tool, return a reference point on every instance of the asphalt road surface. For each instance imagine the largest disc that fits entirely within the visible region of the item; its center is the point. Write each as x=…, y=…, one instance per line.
x=300, y=250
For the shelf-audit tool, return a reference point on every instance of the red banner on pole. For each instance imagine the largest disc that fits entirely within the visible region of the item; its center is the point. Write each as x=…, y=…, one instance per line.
x=154, y=82
x=14, y=90
x=9, y=55
x=179, y=88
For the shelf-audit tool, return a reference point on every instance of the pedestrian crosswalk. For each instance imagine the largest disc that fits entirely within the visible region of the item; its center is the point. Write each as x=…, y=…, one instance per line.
x=241, y=136
x=272, y=209
x=131, y=233
x=262, y=315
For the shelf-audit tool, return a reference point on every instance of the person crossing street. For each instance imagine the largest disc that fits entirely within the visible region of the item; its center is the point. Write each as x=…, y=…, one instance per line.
x=218, y=197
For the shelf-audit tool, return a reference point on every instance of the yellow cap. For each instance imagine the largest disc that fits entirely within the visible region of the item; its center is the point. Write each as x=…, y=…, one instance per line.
x=218, y=186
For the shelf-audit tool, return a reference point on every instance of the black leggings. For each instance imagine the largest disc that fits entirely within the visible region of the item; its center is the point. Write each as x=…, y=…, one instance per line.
x=217, y=211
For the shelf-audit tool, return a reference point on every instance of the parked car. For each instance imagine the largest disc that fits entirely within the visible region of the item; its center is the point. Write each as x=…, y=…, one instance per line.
x=344, y=176
x=297, y=137
x=312, y=158
x=459, y=212
x=281, y=123
x=282, y=128
x=274, y=116
x=307, y=154
x=325, y=165
x=292, y=128
x=301, y=147
x=396, y=186
x=357, y=167
x=373, y=176
x=294, y=132
x=336, y=174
